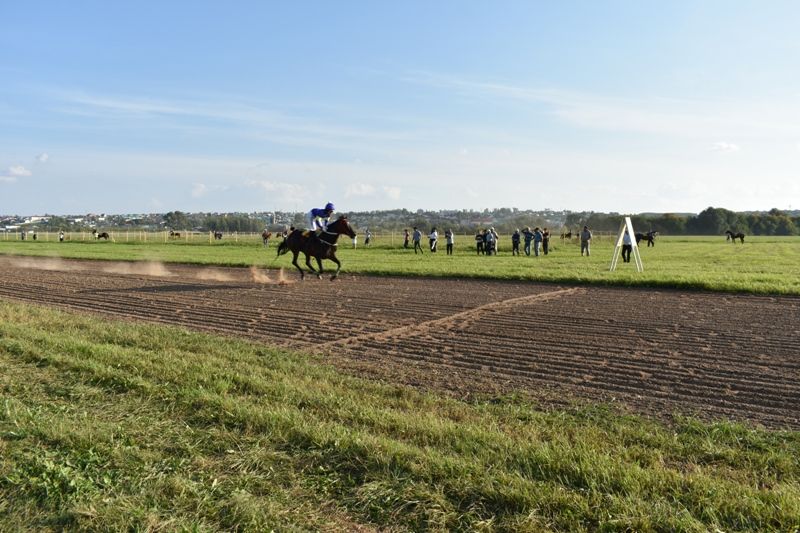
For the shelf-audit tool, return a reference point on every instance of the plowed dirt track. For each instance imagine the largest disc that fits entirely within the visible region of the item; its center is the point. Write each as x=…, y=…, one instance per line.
x=655, y=351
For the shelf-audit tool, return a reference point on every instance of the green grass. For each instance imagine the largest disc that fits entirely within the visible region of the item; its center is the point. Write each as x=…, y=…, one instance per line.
x=762, y=265
x=116, y=426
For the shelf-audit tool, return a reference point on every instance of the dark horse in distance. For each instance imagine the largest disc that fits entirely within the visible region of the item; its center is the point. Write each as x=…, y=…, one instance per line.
x=319, y=247
x=650, y=237
x=733, y=236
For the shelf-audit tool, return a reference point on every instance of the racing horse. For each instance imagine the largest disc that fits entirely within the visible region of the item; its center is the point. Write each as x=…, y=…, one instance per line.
x=104, y=235
x=650, y=237
x=319, y=247
x=733, y=236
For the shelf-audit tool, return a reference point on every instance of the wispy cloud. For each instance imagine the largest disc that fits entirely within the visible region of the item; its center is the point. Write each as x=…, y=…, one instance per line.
x=359, y=189
x=252, y=120
x=663, y=116
x=392, y=192
x=18, y=171
x=199, y=190
x=725, y=147
x=280, y=191
x=14, y=172
x=43, y=157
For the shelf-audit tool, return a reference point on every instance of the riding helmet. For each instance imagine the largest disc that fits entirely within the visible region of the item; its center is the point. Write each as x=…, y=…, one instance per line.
x=329, y=207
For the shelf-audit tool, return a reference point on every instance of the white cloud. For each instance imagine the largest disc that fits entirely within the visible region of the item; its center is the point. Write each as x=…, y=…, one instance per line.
x=280, y=191
x=18, y=171
x=199, y=189
x=43, y=157
x=725, y=147
x=359, y=189
x=392, y=192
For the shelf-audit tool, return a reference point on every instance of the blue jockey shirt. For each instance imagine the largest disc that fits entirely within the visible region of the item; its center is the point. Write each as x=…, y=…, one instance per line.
x=320, y=213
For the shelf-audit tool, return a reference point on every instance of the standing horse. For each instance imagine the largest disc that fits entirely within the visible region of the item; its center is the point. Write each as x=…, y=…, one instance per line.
x=218, y=235
x=174, y=234
x=650, y=237
x=733, y=236
x=319, y=247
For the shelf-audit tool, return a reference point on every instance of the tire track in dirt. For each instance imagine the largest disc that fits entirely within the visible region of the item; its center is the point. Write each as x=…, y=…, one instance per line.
x=448, y=321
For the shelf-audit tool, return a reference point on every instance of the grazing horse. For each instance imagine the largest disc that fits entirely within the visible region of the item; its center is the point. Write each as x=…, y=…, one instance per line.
x=566, y=236
x=319, y=247
x=174, y=234
x=104, y=236
x=650, y=237
x=733, y=236
x=265, y=235
x=218, y=235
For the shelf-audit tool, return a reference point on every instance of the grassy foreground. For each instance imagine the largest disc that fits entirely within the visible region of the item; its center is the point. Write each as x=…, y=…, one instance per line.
x=762, y=265
x=117, y=426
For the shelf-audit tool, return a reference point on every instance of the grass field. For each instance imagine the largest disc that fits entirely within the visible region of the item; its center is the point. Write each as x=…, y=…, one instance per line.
x=761, y=265
x=118, y=426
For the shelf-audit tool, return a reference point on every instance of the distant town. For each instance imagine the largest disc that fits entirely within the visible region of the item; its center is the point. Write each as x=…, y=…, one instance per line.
x=710, y=221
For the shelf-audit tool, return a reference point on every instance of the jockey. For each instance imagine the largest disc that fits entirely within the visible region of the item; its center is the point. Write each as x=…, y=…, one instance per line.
x=318, y=218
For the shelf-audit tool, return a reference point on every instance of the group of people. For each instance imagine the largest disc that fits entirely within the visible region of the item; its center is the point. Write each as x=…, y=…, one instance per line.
x=539, y=238
x=486, y=240
x=433, y=240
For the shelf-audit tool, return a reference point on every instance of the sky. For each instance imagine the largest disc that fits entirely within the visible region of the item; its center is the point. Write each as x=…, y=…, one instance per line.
x=626, y=106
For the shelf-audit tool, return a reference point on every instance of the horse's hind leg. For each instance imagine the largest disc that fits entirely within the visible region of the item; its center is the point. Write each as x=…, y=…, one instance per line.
x=294, y=262
x=311, y=268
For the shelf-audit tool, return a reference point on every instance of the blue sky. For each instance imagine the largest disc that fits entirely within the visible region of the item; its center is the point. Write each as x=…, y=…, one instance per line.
x=208, y=106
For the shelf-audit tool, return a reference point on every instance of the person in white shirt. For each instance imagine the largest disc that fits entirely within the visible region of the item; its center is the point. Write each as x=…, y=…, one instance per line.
x=449, y=239
x=433, y=238
x=627, y=247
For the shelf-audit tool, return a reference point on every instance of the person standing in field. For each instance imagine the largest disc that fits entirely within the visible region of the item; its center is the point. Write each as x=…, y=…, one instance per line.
x=515, y=237
x=528, y=234
x=586, y=239
x=416, y=237
x=489, y=242
x=367, y=237
x=479, y=242
x=627, y=247
x=496, y=241
x=545, y=241
x=537, y=241
x=60, y=236
x=355, y=241
x=433, y=238
x=449, y=240
x=406, y=237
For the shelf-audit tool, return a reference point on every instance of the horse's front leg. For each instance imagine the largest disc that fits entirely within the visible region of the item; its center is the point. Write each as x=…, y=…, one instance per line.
x=338, y=266
x=294, y=262
x=319, y=264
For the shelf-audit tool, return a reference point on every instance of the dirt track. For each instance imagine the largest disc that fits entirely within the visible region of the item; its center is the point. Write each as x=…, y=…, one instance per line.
x=655, y=351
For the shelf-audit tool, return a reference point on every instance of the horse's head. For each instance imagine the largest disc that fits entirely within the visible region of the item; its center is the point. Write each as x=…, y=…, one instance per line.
x=342, y=226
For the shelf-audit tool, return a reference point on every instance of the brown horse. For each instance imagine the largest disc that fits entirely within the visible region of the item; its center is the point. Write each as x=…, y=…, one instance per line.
x=265, y=236
x=319, y=247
